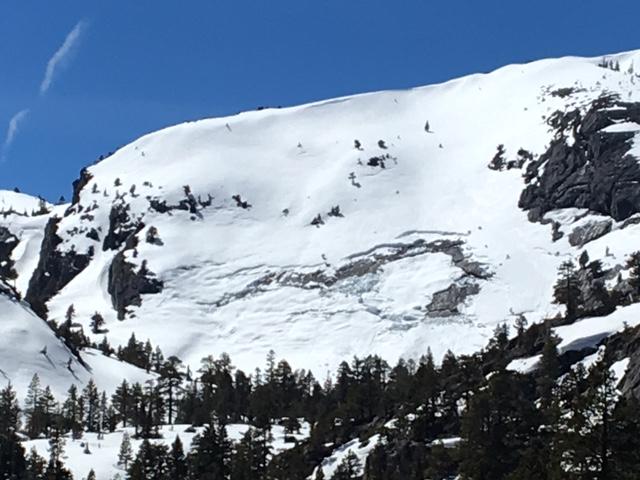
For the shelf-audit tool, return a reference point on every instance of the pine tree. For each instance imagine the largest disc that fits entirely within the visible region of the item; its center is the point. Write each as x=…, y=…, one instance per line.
x=49, y=408
x=571, y=445
x=12, y=460
x=102, y=414
x=498, y=345
x=427, y=379
x=125, y=455
x=122, y=402
x=210, y=453
x=72, y=413
x=633, y=264
x=251, y=456
x=92, y=406
x=566, y=290
x=521, y=325
x=97, y=322
x=178, y=468
x=241, y=460
x=35, y=421
x=499, y=421
x=262, y=406
x=151, y=411
x=170, y=382
x=55, y=468
x=242, y=395
x=157, y=359
x=547, y=373
x=596, y=299
x=134, y=353
x=105, y=347
x=271, y=366
x=147, y=353
x=284, y=389
x=70, y=314
x=111, y=419
x=349, y=468
x=625, y=439
x=9, y=411
x=150, y=463
x=35, y=466
x=138, y=403
x=534, y=461
x=601, y=401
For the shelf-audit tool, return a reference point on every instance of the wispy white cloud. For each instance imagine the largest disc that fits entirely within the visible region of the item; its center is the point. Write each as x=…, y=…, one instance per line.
x=14, y=127
x=58, y=58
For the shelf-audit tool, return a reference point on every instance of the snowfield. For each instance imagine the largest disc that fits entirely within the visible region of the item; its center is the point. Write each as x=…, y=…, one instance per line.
x=19, y=203
x=103, y=456
x=28, y=347
x=265, y=261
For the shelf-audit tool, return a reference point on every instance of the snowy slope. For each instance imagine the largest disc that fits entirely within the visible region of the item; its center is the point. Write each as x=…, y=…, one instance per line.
x=28, y=347
x=19, y=203
x=103, y=458
x=30, y=232
x=251, y=274
x=360, y=449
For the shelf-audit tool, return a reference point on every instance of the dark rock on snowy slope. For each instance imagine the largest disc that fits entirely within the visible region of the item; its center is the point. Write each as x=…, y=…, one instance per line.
x=626, y=345
x=446, y=303
x=127, y=284
x=54, y=270
x=79, y=184
x=595, y=171
x=584, y=234
x=8, y=242
x=121, y=227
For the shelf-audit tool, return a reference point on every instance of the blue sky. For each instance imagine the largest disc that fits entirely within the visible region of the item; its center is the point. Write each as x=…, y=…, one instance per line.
x=131, y=67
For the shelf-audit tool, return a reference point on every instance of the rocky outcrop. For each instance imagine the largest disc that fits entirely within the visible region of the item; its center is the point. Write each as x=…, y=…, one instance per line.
x=8, y=242
x=631, y=381
x=626, y=344
x=121, y=227
x=589, y=231
x=127, y=284
x=55, y=269
x=189, y=204
x=370, y=262
x=79, y=184
x=447, y=302
x=586, y=167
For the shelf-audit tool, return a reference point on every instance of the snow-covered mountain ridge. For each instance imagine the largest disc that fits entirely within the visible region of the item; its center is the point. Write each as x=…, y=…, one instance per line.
x=381, y=223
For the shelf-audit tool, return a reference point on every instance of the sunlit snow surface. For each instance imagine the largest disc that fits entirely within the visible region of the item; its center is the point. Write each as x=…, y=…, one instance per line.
x=28, y=347
x=103, y=456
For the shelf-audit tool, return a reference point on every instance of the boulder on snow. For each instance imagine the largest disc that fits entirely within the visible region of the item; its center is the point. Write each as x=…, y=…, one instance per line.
x=589, y=231
x=445, y=303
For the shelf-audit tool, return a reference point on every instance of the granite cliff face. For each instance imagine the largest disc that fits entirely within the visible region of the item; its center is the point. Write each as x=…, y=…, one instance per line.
x=588, y=163
x=8, y=242
x=55, y=269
